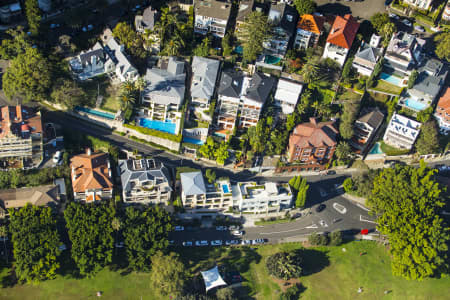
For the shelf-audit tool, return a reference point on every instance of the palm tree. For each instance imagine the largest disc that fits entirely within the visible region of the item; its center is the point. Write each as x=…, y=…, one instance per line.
x=174, y=45
x=140, y=84
x=4, y=235
x=127, y=100
x=127, y=87
x=310, y=71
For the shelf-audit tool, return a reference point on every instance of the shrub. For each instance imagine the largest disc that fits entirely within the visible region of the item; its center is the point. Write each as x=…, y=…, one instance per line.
x=348, y=185
x=292, y=293
x=318, y=239
x=284, y=265
x=336, y=238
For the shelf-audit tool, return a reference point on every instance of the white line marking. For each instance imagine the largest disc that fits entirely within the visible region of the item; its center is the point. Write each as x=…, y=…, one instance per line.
x=362, y=207
x=365, y=220
x=313, y=226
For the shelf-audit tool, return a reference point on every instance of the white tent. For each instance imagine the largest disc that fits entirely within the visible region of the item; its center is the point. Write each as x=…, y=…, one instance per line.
x=212, y=278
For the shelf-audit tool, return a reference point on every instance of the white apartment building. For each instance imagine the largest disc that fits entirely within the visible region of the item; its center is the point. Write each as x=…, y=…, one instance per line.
x=211, y=16
x=286, y=95
x=401, y=132
x=270, y=197
x=422, y=4
x=198, y=195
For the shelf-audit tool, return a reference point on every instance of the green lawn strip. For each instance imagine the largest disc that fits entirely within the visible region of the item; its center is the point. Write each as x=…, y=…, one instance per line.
x=392, y=151
x=349, y=95
x=268, y=222
x=387, y=87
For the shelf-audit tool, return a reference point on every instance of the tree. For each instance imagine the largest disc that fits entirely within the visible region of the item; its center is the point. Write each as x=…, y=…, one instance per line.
x=68, y=93
x=350, y=111
x=284, y=265
x=168, y=275
x=292, y=293
x=310, y=70
x=407, y=201
x=227, y=45
x=222, y=153
x=4, y=235
x=203, y=48
x=28, y=76
x=90, y=229
x=226, y=293
x=347, y=69
x=304, y=6
x=145, y=232
x=336, y=238
x=343, y=152
x=253, y=32
x=208, y=149
x=318, y=239
x=428, y=140
x=33, y=14
x=210, y=175
x=300, y=185
x=174, y=45
x=18, y=43
x=412, y=78
x=442, y=41
x=378, y=20
x=35, y=243
x=132, y=41
x=387, y=31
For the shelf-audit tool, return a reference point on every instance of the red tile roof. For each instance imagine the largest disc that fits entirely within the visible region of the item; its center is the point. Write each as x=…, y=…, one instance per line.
x=343, y=31
x=17, y=120
x=444, y=101
x=313, y=134
x=311, y=23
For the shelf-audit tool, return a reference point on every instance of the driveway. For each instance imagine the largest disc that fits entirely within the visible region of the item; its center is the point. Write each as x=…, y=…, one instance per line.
x=363, y=9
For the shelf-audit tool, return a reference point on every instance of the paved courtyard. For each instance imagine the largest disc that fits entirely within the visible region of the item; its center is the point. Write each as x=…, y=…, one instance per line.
x=363, y=9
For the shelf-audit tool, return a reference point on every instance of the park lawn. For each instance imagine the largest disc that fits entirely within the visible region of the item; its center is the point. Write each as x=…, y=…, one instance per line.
x=111, y=101
x=392, y=151
x=387, y=87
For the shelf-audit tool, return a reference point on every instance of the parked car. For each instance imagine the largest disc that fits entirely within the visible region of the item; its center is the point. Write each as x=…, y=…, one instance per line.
x=201, y=243
x=257, y=242
x=57, y=157
x=232, y=242
x=419, y=28
x=216, y=243
x=246, y=242
x=179, y=228
x=187, y=244
x=393, y=16
x=233, y=227
x=237, y=233
x=406, y=22
x=221, y=228
x=119, y=245
x=171, y=242
x=320, y=207
x=331, y=172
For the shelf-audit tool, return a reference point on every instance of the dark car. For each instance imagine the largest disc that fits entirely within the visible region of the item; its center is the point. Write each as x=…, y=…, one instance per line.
x=320, y=207
x=331, y=172
x=387, y=2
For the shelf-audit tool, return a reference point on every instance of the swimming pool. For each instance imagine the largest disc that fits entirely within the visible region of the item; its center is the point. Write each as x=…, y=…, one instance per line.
x=225, y=188
x=416, y=105
x=166, y=126
x=391, y=79
x=239, y=50
x=95, y=112
x=192, y=141
x=376, y=149
x=271, y=60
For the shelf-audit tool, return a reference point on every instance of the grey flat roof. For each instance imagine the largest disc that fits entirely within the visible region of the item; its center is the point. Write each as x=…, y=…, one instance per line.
x=204, y=76
x=192, y=183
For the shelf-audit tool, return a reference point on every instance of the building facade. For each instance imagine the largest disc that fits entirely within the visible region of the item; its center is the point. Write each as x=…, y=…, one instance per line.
x=287, y=95
x=204, y=77
x=309, y=29
x=144, y=181
x=312, y=144
x=401, y=132
x=422, y=4
x=365, y=128
x=211, y=16
x=442, y=113
x=367, y=56
x=446, y=12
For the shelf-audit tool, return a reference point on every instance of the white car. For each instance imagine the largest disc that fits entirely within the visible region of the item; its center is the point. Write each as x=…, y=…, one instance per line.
x=237, y=233
x=232, y=242
x=201, y=243
x=419, y=28
x=406, y=22
x=187, y=244
x=179, y=228
x=57, y=157
x=216, y=243
x=393, y=16
x=246, y=242
x=221, y=228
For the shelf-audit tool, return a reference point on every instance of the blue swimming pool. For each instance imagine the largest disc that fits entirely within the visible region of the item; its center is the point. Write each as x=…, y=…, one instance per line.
x=376, y=149
x=95, y=112
x=272, y=60
x=391, y=79
x=225, y=188
x=416, y=105
x=166, y=126
x=192, y=141
x=239, y=50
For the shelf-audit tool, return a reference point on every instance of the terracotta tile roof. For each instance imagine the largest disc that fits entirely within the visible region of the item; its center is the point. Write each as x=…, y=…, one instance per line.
x=313, y=134
x=343, y=31
x=90, y=172
x=311, y=23
x=19, y=121
x=39, y=196
x=444, y=101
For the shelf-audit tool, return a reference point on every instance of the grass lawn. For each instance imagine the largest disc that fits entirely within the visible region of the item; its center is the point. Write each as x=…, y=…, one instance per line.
x=102, y=85
x=268, y=222
x=389, y=150
x=348, y=94
x=387, y=87
x=329, y=273
x=111, y=100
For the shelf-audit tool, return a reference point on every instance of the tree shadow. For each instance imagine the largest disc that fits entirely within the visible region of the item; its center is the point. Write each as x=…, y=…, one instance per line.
x=314, y=261
x=10, y=280
x=334, y=9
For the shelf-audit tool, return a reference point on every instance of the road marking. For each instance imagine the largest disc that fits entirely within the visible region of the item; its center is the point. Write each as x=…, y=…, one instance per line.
x=323, y=223
x=313, y=226
x=362, y=207
x=340, y=208
x=365, y=220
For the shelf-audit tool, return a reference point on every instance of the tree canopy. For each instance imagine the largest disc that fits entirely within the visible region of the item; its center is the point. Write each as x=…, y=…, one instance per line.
x=68, y=93
x=253, y=32
x=145, y=232
x=168, y=275
x=132, y=41
x=34, y=15
x=442, y=41
x=16, y=45
x=90, y=231
x=284, y=265
x=428, y=140
x=301, y=186
x=408, y=201
x=304, y=6
x=412, y=78
x=203, y=49
x=28, y=76
x=35, y=243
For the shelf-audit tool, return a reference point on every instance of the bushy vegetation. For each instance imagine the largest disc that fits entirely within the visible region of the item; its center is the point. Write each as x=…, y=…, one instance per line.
x=300, y=185
x=284, y=265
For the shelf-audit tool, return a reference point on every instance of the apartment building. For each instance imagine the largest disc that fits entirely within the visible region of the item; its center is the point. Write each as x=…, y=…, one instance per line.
x=211, y=16
x=21, y=137
x=204, y=77
x=368, y=56
x=309, y=29
x=422, y=4
x=446, y=12
x=144, y=181
x=442, y=113
x=270, y=197
x=365, y=128
x=401, y=132
x=287, y=95
x=229, y=98
x=91, y=177
x=199, y=195
x=340, y=38
x=312, y=144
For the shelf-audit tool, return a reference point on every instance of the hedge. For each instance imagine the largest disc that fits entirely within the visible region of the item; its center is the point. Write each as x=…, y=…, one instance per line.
x=157, y=133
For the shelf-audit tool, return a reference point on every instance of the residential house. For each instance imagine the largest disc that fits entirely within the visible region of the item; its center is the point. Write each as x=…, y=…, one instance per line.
x=442, y=113
x=144, y=181
x=145, y=24
x=246, y=7
x=258, y=89
x=91, y=177
x=21, y=137
x=204, y=77
x=283, y=18
x=422, y=4
x=44, y=195
x=10, y=11
x=266, y=198
x=432, y=76
x=123, y=69
x=312, y=144
x=287, y=95
x=340, y=39
x=367, y=56
x=365, y=128
x=163, y=96
x=403, y=54
x=229, y=98
x=198, y=195
x=309, y=29
x=401, y=132
x=211, y=16
x=446, y=12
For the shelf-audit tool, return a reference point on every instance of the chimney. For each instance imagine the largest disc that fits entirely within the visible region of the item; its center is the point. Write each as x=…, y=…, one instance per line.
x=88, y=151
x=313, y=121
